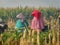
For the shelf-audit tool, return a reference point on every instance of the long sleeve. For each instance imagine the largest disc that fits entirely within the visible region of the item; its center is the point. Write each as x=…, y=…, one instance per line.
x=26, y=23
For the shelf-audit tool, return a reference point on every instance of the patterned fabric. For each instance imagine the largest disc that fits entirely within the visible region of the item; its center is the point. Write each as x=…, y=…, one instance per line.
x=37, y=24
x=37, y=21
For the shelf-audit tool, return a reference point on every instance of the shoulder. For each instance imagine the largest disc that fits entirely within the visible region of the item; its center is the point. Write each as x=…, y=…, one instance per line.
x=18, y=20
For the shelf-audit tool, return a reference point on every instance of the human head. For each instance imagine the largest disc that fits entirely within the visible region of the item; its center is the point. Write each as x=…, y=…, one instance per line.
x=36, y=13
x=20, y=16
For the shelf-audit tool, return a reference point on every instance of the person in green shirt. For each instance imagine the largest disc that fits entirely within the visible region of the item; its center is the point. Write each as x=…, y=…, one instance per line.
x=21, y=23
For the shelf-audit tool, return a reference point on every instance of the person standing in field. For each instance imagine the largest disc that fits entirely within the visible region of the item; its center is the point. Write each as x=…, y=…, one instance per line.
x=37, y=24
x=21, y=23
x=37, y=21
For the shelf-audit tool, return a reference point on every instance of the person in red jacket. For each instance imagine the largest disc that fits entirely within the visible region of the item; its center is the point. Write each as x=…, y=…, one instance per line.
x=37, y=21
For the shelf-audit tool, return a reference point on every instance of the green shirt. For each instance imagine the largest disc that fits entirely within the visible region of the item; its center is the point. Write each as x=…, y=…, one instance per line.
x=20, y=24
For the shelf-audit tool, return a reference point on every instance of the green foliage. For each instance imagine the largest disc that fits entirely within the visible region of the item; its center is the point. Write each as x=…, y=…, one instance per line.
x=12, y=12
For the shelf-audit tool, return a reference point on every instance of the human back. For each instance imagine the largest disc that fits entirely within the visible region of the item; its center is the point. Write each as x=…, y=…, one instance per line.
x=21, y=23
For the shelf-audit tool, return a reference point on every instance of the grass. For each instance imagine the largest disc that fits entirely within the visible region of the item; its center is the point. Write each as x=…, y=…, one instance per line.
x=12, y=37
x=44, y=38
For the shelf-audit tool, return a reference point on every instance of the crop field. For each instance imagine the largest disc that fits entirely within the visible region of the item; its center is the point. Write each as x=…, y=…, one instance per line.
x=50, y=36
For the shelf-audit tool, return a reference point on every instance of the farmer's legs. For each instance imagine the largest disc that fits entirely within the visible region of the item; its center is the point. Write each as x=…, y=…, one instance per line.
x=38, y=35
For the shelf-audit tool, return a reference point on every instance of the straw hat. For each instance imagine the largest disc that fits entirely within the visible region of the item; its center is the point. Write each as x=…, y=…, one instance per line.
x=20, y=15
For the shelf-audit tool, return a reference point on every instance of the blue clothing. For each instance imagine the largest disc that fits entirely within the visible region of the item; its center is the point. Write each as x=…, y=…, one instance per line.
x=20, y=24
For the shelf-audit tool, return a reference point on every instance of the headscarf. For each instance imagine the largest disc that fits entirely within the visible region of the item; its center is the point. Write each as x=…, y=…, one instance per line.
x=36, y=13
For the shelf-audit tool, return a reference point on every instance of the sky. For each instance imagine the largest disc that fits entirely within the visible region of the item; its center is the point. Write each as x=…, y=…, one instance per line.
x=30, y=3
